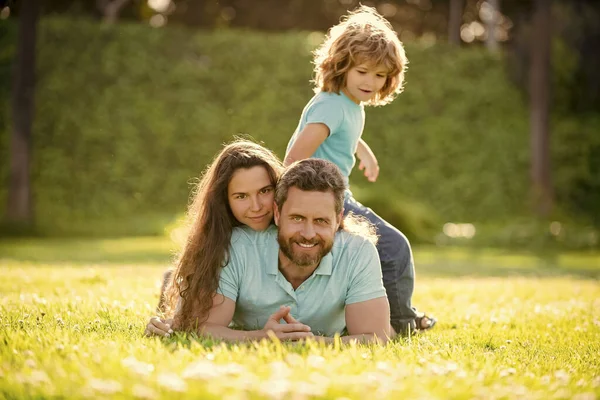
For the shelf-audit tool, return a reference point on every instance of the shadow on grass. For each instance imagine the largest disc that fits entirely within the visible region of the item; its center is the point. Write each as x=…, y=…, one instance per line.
x=429, y=260
x=138, y=250
x=301, y=347
x=461, y=262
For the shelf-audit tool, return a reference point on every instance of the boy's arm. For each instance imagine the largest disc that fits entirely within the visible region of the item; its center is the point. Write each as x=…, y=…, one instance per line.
x=368, y=161
x=307, y=142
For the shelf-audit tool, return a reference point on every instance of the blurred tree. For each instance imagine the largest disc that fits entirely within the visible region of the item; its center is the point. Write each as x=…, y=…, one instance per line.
x=490, y=14
x=19, y=207
x=539, y=81
x=455, y=21
x=111, y=9
x=576, y=33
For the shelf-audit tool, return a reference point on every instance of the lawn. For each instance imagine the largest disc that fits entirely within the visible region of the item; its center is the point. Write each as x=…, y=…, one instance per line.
x=512, y=325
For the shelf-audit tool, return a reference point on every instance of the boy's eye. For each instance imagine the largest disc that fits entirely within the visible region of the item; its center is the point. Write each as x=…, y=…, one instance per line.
x=380, y=75
x=362, y=72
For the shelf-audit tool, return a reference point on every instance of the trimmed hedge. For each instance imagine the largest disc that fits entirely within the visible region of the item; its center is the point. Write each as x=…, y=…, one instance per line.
x=127, y=115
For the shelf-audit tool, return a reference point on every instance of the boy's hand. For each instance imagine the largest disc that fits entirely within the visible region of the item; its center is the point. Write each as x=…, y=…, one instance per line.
x=368, y=161
x=370, y=166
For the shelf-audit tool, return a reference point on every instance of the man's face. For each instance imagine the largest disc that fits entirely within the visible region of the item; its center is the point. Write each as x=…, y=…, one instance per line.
x=307, y=224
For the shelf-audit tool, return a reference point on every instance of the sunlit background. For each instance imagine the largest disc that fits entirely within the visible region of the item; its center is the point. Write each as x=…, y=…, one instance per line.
x=490, y=163
x=133, y=98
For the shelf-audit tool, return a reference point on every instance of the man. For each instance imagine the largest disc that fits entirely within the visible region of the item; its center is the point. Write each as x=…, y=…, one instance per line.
x=318, y=279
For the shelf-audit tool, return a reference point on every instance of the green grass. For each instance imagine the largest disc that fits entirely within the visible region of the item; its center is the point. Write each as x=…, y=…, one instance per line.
x=512, y=325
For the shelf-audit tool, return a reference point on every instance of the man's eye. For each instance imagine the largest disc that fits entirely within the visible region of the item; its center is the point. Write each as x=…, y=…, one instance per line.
x=266, y=190
x=241, y=196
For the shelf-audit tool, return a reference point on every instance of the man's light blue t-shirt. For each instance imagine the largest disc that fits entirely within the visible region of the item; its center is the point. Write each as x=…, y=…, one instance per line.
x=350, y=273
x=345, y=120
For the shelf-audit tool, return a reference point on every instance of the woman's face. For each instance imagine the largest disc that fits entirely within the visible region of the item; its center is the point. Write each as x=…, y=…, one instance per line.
x=250, y=194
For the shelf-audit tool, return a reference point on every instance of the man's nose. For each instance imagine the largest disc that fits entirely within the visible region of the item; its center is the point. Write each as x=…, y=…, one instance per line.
x=308, y=231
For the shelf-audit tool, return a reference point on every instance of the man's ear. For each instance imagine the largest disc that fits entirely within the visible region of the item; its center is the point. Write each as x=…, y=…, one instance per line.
x=276, y=213
x=339, y=219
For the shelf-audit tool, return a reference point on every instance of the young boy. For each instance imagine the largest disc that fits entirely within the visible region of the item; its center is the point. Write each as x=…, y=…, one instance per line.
x=361, y=62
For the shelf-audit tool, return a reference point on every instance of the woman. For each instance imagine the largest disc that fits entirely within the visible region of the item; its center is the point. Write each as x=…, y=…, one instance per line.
x=236, y=189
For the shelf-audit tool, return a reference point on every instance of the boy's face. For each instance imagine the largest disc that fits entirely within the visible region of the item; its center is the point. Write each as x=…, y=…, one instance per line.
x=364, y=81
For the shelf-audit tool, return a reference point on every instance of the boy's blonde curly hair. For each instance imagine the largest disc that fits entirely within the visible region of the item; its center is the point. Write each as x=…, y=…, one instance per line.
x=363, y=36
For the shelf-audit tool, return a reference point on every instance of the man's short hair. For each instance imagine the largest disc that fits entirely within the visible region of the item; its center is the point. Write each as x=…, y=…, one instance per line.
x=312, y=175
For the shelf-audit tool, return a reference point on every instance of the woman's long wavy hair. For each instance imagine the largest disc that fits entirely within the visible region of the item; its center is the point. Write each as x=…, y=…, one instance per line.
x=211, y=222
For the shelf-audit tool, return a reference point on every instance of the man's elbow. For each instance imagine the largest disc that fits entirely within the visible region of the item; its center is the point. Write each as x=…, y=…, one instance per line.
x=376, y=336
x=382, y=336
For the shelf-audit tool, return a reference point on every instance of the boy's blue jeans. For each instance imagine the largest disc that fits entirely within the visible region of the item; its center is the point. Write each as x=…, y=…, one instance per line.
x=397, y=267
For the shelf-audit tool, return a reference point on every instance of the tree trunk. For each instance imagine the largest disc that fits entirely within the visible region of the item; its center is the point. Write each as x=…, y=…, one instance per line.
x=19, y=204
x=455, y=21
x=491, y=24
x=111, y=9
x=539, y=89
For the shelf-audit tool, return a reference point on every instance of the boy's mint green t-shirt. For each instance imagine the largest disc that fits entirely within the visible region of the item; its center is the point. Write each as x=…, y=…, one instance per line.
x=350, y=273
x=345, y=120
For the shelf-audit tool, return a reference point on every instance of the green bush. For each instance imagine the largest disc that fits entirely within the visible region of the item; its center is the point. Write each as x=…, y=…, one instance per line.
x=127, y=115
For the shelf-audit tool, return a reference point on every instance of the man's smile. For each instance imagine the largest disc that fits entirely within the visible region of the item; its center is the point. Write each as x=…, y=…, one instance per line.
x=306, y=245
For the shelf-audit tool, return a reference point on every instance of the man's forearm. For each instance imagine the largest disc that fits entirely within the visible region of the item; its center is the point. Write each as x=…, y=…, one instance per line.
x=365, y=338
x=230, y=335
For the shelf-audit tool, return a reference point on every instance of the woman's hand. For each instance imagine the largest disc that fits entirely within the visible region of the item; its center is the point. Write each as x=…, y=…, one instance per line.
x=159, y=327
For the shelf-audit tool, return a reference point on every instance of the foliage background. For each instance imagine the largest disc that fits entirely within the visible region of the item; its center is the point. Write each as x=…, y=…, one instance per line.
x=127, y=116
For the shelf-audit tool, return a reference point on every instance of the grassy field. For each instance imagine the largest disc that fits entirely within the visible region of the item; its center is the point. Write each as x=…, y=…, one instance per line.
x=512, y=325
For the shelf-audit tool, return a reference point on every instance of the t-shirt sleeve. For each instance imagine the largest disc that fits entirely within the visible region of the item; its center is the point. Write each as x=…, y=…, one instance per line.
x=325, y=112
x=366, y=282
x=229, y=279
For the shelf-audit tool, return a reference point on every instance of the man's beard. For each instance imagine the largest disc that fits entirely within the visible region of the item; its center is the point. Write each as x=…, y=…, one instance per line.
x=303, y=259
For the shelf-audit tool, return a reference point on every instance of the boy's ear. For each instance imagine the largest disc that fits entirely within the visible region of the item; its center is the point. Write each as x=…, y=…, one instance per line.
x=276, y=213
